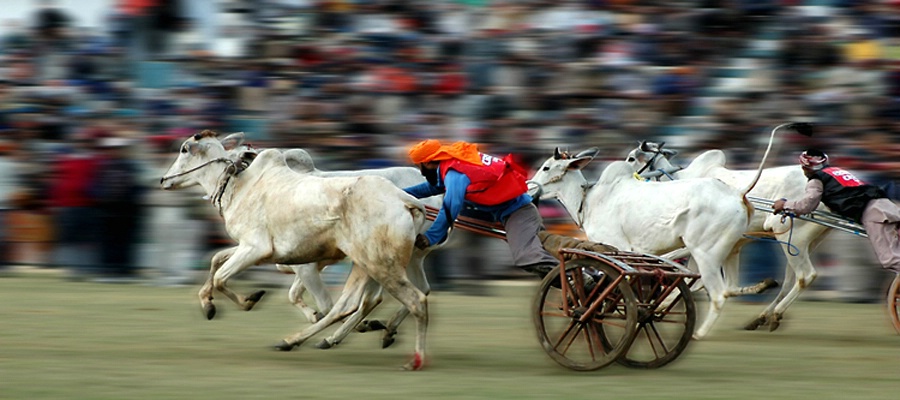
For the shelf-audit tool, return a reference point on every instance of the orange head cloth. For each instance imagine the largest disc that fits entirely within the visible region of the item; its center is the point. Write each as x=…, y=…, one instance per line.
x=432, y=150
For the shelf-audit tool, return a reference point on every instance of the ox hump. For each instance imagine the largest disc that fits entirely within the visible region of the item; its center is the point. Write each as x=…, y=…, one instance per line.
x=299, y=160
x=616, y=171
x=709, y=159
x=269, y=158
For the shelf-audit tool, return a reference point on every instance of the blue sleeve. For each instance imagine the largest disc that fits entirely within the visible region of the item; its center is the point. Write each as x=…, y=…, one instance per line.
x=423, y=189
x=454, y=197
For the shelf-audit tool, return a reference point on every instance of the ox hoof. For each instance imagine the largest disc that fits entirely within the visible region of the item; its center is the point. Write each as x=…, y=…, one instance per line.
x=210, y=311
x=756, y=323
x=369, y=326
x=387, y=341
x=774, y=323
x=769, y=283
x=415, y=364
x=284, y=346
x=324, y=344
x=318, y=316
x=253, y=299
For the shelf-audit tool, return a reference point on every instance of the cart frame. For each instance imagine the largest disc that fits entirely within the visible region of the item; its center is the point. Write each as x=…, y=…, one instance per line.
x=639, y=310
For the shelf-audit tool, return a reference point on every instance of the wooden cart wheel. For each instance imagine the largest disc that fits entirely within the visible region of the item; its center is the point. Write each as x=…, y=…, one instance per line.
x=893, y=302
x=666, y=318
x=570, y=339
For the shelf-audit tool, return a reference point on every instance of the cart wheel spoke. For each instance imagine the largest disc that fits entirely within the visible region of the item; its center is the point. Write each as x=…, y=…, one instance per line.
x=585, y=329
x=666, y=320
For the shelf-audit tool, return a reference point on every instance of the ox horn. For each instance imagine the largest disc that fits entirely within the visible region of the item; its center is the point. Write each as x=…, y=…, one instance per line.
x=557, y=155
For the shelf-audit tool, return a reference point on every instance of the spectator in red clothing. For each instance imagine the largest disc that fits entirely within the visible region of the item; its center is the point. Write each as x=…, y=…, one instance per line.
x=74, y=211
x=450, y=81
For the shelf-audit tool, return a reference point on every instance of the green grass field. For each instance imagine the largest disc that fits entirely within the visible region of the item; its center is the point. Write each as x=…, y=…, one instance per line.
x=65, y=340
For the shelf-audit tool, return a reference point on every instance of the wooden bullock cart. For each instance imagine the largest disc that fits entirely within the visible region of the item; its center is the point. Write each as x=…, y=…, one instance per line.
x=638, y=311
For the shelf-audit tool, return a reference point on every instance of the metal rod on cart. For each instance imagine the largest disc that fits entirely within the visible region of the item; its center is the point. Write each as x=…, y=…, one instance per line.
x=825, y=218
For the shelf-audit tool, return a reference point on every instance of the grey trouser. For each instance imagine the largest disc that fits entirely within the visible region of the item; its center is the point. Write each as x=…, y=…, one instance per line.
x=522, y=227
x=882, y=222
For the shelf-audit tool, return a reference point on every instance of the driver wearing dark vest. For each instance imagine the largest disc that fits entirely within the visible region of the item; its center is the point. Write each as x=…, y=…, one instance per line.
x=490, y=185
x=848, y=196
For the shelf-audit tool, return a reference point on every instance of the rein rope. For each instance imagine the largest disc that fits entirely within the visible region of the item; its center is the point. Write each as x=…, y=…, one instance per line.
x=230, y=170
x=197, y=168
x=649, y=163
x=792, y=249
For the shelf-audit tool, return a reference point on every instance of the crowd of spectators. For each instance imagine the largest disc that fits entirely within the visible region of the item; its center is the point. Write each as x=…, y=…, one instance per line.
x=356, y=81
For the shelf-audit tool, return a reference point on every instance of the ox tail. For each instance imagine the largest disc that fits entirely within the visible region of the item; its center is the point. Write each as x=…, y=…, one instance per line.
x=417, y=210
x=800, y=127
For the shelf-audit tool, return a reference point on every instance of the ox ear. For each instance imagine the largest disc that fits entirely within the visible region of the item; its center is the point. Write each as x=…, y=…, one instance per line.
x=583, y=158
x=233, y=140
x=579, y=163
x=668, y=154
x=557, y=155
x=591, y=152
x=644, y=146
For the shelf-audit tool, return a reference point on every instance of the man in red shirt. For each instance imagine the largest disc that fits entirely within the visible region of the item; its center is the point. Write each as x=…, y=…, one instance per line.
x=472, y=180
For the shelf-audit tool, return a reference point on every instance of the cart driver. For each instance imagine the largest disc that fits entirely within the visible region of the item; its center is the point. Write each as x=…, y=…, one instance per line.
x=849, y=197
x=472, y=180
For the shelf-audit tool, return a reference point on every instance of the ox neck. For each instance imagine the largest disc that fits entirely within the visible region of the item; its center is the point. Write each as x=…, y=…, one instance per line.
x=214, y=181
x=573, y=195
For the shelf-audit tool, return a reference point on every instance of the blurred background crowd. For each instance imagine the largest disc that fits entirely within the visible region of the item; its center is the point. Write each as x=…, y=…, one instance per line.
x=93, y=106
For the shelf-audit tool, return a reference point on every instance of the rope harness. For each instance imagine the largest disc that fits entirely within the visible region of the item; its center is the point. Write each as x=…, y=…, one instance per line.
x=231, y=170
x=579, y=215
x=654, y=172
x=651, y=163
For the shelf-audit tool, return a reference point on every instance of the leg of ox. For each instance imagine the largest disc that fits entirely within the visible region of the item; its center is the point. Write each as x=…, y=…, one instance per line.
x=799, y=272
x=236, y=260
x=415, y=301
x=347, y=303
x=382, y=253
x=360, y=296
x=416, y=272
x=206, y=290
x=306, y=276
x=399, y=286
x=295, y=297
x=711, y=273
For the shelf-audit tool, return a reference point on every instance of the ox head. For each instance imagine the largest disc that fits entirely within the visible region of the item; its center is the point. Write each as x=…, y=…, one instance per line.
x=646, y=157
x=196, y=153
x=550, y=178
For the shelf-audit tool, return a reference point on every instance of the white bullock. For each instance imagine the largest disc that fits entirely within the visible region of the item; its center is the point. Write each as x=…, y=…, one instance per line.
x=277, y=215
x=704, y=215
x=307, y=276
x=786, y=181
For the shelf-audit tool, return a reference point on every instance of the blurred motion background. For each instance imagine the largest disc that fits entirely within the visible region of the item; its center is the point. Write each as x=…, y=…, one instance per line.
x=97, y=95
